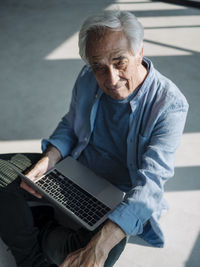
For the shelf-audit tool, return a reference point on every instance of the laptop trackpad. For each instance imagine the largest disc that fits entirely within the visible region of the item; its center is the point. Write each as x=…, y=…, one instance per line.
x=82, y=176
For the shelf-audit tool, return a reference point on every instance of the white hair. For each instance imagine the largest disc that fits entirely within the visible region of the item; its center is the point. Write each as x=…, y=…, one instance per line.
x=114, y=20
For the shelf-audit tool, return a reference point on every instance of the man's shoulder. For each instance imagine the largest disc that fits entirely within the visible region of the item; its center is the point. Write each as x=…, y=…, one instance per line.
x=86, y=86
x=169, y=91
x=86, y=73
x=86, y=69
x=162, y=92
x=86, y=78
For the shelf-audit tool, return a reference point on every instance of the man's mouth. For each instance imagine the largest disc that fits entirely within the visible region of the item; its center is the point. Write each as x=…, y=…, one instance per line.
x=115, y=88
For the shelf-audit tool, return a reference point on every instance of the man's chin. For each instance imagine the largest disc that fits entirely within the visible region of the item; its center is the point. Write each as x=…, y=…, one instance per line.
x=117, y=95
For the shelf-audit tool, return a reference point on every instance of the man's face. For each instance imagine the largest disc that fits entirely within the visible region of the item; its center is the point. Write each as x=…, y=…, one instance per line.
x=117, y=70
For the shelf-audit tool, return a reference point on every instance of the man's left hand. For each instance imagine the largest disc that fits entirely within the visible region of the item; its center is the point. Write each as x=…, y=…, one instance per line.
x=87, y=256
x=97, y=250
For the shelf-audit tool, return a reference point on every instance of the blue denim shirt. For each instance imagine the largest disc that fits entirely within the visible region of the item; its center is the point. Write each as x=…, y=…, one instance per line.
x=156, y=123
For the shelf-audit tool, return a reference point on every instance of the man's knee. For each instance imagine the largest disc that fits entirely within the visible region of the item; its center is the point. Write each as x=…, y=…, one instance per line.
x=14, y=211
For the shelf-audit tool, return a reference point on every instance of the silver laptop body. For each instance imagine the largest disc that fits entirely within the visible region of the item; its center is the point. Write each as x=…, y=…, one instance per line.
x=78, y=191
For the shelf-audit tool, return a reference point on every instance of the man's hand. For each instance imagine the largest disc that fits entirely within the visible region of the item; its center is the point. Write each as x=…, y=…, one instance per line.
x=84, y=257
x=50, y=158
x=97, y=250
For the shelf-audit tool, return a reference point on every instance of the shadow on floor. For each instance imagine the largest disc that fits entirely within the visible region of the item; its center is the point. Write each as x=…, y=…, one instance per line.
x=193, y=260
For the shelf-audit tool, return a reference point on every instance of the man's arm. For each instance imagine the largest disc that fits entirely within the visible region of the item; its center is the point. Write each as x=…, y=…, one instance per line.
x=97, y=250
x=60, y=143
x=155, y=167
x=64, y=137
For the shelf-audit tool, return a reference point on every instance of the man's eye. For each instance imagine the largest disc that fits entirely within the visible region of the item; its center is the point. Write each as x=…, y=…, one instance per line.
x=99, y=68
x=120, y=64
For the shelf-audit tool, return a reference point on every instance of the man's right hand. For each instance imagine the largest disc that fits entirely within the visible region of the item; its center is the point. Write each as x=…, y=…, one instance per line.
x=50, y=158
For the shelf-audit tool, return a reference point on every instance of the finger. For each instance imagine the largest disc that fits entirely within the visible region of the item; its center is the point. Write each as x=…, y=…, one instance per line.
x=33, y=174
x=30, y=189
x=69, y=261
x=74, y=262
x=66, y=261
x=78, y=260
x=26, y=187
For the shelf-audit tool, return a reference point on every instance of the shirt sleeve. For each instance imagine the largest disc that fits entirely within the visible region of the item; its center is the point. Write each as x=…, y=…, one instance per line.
x=155, y=168
x=63, y=137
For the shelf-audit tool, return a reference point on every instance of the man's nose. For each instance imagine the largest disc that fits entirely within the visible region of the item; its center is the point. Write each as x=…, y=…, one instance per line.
x=113, y=76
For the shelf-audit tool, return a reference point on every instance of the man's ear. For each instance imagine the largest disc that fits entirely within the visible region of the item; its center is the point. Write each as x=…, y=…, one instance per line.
x=140, y=56
x=141, y=52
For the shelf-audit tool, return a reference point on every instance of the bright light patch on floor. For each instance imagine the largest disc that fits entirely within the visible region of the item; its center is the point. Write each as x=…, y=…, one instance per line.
x=174, y=39
x=131, y=6
x=170, y=21
x=67, y=50
x=151, y=50
x=20, y=146
x=187, y=154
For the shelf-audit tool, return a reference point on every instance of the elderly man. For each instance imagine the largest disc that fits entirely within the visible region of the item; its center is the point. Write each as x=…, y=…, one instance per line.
x=125, y=123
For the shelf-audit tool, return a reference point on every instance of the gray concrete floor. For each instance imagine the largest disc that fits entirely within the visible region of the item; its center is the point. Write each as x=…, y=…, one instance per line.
x=39, y=62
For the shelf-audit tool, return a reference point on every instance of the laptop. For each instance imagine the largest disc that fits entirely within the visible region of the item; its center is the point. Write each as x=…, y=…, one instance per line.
x=84, y=196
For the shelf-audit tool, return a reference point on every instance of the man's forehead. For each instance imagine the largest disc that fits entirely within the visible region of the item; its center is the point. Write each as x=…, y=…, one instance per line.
x=97, y=33
x=113, y=56
x=112, y=46
x=101, y=36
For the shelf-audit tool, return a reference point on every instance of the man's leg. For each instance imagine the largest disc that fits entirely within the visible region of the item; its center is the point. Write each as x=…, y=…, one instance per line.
x=16, y=224
x=115, y=253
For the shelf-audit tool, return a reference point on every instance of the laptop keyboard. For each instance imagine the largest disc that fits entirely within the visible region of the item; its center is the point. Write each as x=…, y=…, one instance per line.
x=70, y=195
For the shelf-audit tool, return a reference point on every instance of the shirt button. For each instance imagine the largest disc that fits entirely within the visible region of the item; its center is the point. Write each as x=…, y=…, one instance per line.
x=76, y=153
x=85, y=139
x=96, y=96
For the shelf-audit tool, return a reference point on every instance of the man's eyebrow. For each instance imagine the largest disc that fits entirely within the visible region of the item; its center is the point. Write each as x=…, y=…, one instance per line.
x=118, y=58
x=95, y=64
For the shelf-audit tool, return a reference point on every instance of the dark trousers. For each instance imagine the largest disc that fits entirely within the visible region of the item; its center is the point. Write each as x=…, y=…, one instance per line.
x=31, y=244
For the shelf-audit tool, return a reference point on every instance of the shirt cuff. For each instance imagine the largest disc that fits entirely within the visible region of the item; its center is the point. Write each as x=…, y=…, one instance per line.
x=126, y=220
x=64, y=150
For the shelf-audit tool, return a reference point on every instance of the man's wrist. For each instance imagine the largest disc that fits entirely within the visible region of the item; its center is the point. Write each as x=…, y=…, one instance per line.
x=53, y=154
x=110, y=235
